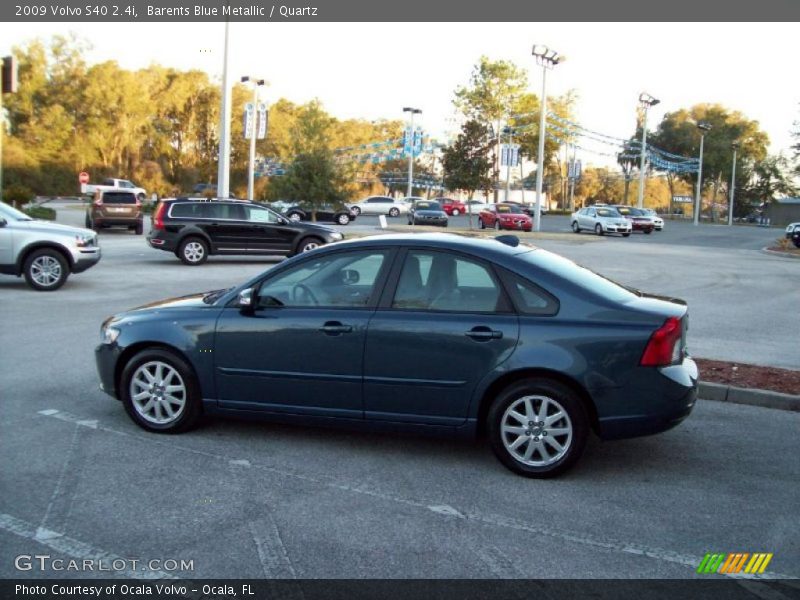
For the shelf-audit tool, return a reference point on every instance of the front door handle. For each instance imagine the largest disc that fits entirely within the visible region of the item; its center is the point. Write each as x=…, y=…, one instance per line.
x=483, y=334
x=335, y=328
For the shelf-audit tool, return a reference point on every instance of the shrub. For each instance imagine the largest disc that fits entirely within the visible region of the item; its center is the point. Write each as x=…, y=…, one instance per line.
x=18, y=195
x=41, y=212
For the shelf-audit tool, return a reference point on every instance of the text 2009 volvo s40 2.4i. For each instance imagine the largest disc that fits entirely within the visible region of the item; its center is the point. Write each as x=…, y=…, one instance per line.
x=430, y=332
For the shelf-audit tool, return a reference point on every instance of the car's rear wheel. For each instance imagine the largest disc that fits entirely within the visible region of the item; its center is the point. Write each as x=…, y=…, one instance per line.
x=356, y=211
x=394, y=212
x=140, y=197
x=87, y=222
x=343, y=219
x=160, y=392
x=481, y=224
x=598, y=229
x=456, y=212
x=497, y=225
x=46, y=270
x=139, y=229
x=295, y=217
x=193, y=251
x=308, y=244
x=538, y=428
x=796, y=243
x=575, y=227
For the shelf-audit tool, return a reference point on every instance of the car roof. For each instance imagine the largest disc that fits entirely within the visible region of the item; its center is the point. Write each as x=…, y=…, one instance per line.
x=202, y=199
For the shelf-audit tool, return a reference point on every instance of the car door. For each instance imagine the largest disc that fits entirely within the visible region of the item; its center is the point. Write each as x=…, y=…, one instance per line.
x=226, y=226
x=587, y=219
x=6, y=240
x=268, y=231
x=443, y=323
x=301, y=349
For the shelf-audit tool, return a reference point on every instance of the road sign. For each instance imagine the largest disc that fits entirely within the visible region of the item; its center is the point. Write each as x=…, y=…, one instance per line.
x=682, y=199
x=83, y=177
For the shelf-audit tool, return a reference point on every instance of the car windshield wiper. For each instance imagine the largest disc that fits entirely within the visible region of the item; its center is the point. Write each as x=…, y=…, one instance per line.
x=212, y=297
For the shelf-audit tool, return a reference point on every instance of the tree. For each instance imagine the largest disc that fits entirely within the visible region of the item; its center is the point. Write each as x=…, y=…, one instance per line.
x=772, y=179
x=492, y=94
x=466, y=162
x=313, y=180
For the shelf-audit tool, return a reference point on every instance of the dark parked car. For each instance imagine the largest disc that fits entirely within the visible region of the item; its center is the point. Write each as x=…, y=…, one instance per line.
x=793, y=233
x=194, y=228
x=341, y=215
x=427, y=332
x=427, y=212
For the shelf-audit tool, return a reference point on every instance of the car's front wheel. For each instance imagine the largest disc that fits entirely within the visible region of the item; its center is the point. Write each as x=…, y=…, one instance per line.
x=481, y=224
x=193, y=251
x=598, y=229
x=538, y=428
x=575, y=227
x=626, y=235
x=343, y=219
x=497, y=225
x=394, y=212
x=295, y=217
x=46, y=270
x=160, y=392
x=456, y=212
x=308, y=244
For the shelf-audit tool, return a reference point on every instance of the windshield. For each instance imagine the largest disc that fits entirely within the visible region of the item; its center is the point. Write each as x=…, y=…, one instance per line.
x=509, y=209
x=9, y=213
x=428, y=206
x=607, y=212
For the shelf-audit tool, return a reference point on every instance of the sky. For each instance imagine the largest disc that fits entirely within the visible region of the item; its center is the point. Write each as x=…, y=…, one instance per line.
x=372, y=70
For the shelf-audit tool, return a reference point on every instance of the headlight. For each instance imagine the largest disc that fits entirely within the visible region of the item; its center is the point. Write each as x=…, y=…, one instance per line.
x=110, y=335
x=336, y=236
x=82, y=241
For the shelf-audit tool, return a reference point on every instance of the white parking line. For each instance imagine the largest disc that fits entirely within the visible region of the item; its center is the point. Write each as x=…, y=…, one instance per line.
x=609, y=544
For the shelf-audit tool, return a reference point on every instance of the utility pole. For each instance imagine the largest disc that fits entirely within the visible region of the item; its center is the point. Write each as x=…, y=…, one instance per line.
x=223, y=168
x=411, y=139
x=645, y=101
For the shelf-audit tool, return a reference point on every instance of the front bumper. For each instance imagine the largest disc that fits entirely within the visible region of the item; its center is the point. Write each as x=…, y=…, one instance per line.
x=106, y=357
x=83, y=259
x=617, y=228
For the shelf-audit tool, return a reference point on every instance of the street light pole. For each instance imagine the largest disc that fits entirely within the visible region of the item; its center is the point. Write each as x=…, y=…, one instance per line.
x=413, y=112
x=645, y=101
x=508, y=132
x=735, y=147
x=547, y=59
x=257, y=83
x=224, y=160
x=704, y=128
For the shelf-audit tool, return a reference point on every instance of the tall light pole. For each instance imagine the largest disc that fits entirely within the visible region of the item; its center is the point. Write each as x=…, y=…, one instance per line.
x=509, y=132
x=645, y=101
x=704, y=129
x=413, y=111
x=547, y=59
x=734, y=147
x=224, y=160
x=257, y=83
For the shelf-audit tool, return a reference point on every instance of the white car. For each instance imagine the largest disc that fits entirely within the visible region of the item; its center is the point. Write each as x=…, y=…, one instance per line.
x=476, y=206
x=379, y=205
x=657, y=221
x=601, y=220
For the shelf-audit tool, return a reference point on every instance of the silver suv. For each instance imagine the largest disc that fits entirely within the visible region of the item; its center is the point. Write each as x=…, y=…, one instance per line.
x=45, y=253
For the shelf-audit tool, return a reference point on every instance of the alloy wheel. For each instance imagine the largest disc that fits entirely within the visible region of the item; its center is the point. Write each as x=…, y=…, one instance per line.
x=158, y=392
x=46, y=271
x=536, y=431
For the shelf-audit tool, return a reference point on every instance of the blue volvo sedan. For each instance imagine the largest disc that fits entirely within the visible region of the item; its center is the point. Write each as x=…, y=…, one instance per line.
x=428, y=332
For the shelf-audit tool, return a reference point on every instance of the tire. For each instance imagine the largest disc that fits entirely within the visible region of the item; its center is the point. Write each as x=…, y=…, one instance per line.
x=598, y=229
x=575, y=227
x=394, y=212
x=307, y=244
x=357, y=211
x=626, y=235
x=140, y=197
x=481, y=224
x=796, y=243
x=456, y=212
x=295, y=217
x=544, y=458
x=343, y=219
x=148, y=402
x=46, y=270
x=139, y=229
x=87, y=222
x=193, y=251
x=497, y=226
x=648, y=231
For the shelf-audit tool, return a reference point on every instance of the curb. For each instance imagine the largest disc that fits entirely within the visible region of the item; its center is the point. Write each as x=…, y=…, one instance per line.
x=766, y=250
x=720, y=392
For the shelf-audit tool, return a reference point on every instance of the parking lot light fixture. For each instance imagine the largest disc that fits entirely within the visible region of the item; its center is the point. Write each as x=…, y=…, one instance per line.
x=257, y=83
x=547, y=59
x=645, y=101
x=734, y=147
x=413, y=111
x=704, y=129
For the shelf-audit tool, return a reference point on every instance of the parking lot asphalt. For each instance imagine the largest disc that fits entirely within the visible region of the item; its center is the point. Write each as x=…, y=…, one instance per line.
x=245, y=499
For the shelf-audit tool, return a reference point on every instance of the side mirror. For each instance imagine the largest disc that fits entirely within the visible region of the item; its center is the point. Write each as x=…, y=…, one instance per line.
x=350, y=277
x=246, y=300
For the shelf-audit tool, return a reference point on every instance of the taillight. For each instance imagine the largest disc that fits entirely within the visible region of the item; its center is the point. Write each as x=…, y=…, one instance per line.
x=158, y=216
x=664, y=346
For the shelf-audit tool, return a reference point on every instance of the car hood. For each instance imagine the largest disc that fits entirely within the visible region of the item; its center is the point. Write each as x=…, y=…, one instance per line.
x=53, y=228
x=315, y=227
x=188, y=301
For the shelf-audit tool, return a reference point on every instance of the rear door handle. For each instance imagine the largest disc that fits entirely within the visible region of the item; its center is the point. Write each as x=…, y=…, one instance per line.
x=483, y=334
x=335, y=328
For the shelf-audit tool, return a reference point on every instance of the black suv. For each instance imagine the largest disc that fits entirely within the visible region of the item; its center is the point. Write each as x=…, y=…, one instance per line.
x=193, y=228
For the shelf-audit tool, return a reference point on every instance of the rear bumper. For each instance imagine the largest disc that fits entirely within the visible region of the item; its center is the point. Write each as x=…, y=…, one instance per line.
x=160, y=243
x=117, y=222
x=653, y=406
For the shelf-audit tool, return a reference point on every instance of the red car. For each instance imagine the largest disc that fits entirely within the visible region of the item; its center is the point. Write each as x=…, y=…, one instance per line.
x=452, y=207
x=640, y=221
x=505, y=216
